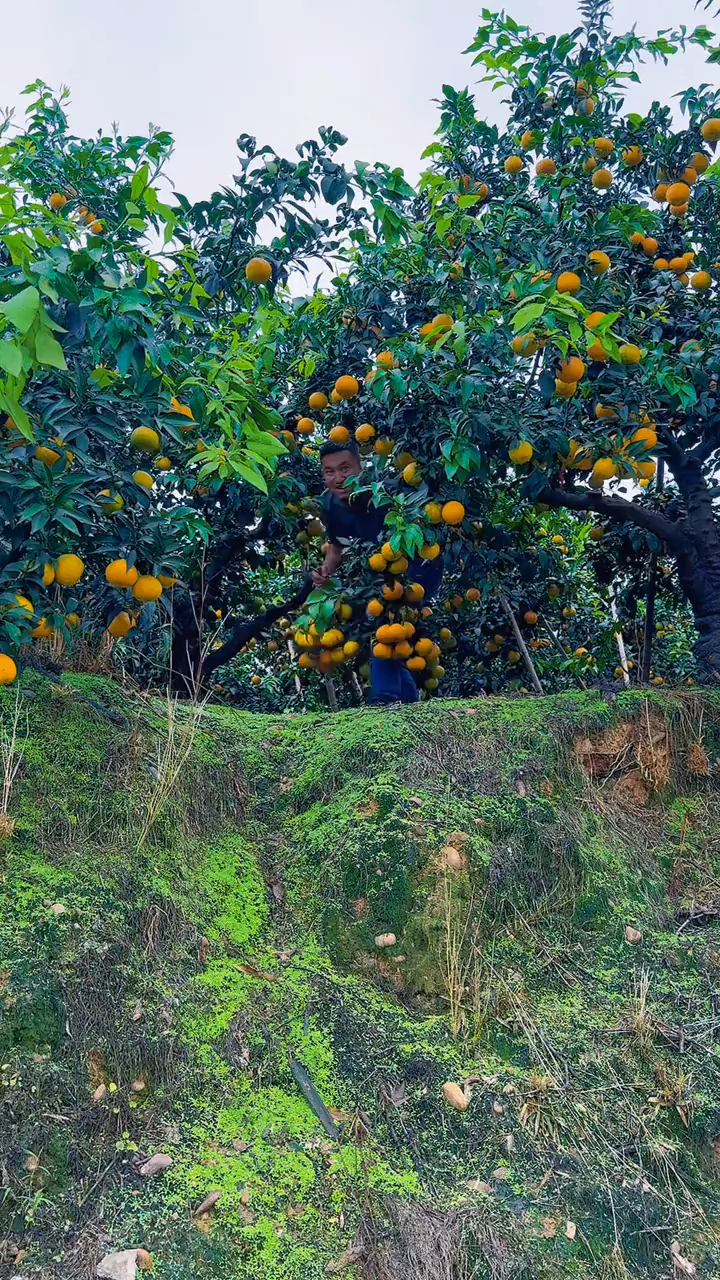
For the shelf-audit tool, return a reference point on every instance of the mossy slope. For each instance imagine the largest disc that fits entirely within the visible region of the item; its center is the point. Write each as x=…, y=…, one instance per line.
x=188, y=916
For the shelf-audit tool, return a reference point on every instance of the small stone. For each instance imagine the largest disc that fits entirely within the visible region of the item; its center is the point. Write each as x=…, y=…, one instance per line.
x=500, y=1174
x=498, y=1108
x=452, y=858
x=385, y=940
x=453, y=1094
x=138, y=1086
x=477, y=1184
x=58, y=909
x=633, y=936
x=156, y=1164
x=138, y=1012
x=118, y=1266
x=208, y=1203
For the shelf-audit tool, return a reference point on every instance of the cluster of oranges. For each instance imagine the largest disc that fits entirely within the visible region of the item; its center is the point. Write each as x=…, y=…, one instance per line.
x=395, y=640
x=57, y=201
x=678, y=264
x=324, y=650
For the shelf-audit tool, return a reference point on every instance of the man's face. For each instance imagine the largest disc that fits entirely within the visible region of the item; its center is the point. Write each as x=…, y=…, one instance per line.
x=336, y=469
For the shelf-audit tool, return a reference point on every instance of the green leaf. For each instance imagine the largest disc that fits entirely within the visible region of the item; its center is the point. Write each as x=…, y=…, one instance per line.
x=140, y=181
x=22, y=310
x=11, y=358
x=48, y=350
x=17, y=413
x=526, y=315
x=253, y=476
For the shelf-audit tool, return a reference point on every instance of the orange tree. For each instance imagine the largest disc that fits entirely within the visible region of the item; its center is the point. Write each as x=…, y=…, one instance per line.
x=542, y=320
x=143, y=470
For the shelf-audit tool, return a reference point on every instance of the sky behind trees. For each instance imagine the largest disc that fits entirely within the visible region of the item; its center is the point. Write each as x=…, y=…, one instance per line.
x=278, y=69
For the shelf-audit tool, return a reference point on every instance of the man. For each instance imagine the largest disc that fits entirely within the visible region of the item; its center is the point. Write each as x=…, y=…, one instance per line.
x=351, y=518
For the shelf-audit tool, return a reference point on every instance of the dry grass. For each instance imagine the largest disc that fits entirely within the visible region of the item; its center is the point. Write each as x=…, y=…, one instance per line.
x=174, y=749
x=404, y=1241
x=14, y=733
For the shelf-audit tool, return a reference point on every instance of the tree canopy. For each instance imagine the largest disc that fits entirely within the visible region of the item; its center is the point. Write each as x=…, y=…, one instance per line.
x=524, y=344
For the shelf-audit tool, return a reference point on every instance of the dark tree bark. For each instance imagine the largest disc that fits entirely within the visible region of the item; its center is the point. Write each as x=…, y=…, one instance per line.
x=190, y=666
x=693, y=539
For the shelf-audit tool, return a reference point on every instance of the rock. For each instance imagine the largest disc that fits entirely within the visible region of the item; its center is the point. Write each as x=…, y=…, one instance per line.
x=570, y=1229
x=118, y=1266
x=453, y=860
x=477, y=1184
x=138, y=1012
x=156, y=1164
x=58, y=909
x=498, y=1108
x=99, y=1093
x=458, y=839
x=453, y=1094
x=385, y=940
x=633, y=936
x=208, y=1203
x=500, y=1174
x=138, y=1086
x=143, y=1260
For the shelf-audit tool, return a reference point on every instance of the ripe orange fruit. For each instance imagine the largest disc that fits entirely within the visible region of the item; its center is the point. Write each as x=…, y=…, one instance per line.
x=701, y=280
x=633, y=156
x=521, y=453
x=689, y=175
x=603, y=147
x=305, y=426
x=382, y=651
x=678, y=193
x=568, y=282
x=69, y=570
x=545, y=168
x=120, y=625
x=415, y=664
x=96, y=228
x=645, y=436
x=146, y=439
x=414, y=592
x=403, y=649
x=646, y=469
x=57, y=200
x=433, y=512
x=347, y=387
x=335, y=398
x=387, y=552
x=525, y=344
x=430, y=551
x=339, y=435
x=256, y=679
x=530, y=617
x=452, y=512
x=661, y=264
x=650, y=246
x=589, y=164
x=399, y=565
x=710, y=130
x=527, y=139
x=410, y=473
x=48, y=575
x=147, y=588
x=565, y=390
x=258, y=271
x=699, y=161
x=144, y=478
x=513, y=164
x=472, y=593
x=678, y=210
x=605, y=412
x=605, y=469
x=602, y=179
x=377, y=562
x=596, y=533
x=350, y=648
x=163, y=464
x=383, y=447
x=45, y=454
x=167, y=582
x=637, y=238
x=385, y=359
x=394, y=592
x=72, y=620
x=660, y=192
x=318, y=400
x=116, y=573
x=364, y=432
x=629, y=353
x=571, y=370
x=8, y=670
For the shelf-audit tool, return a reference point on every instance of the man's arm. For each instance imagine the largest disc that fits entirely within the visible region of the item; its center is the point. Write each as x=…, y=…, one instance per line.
x=329, y=564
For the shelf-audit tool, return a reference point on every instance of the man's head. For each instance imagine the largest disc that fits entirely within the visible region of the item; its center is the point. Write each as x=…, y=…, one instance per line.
x=339, y=461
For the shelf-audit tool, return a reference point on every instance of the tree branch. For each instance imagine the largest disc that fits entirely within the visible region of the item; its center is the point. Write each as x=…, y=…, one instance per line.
x=248, y=630
x=615, y=508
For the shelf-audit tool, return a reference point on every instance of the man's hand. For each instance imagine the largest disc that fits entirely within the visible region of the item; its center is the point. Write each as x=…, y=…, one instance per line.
x=328, y=566
x=320, y=576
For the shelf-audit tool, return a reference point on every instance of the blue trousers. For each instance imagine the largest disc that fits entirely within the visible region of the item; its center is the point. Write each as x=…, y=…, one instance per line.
x=391, y=681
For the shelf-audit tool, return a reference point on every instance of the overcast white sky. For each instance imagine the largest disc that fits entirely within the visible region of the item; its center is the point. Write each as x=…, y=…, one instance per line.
x=280, y=68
